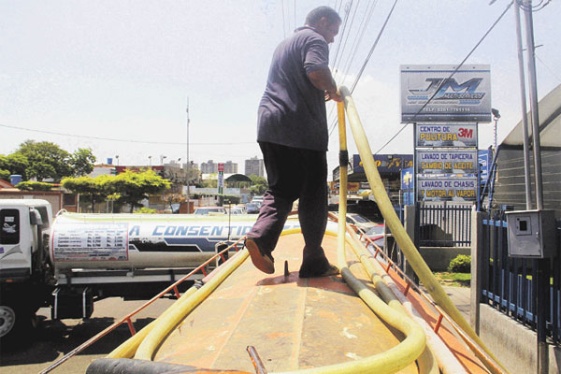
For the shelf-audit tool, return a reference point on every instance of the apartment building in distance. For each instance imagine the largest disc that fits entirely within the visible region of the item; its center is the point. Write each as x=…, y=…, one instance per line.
x=211, y=167
x=254, y=166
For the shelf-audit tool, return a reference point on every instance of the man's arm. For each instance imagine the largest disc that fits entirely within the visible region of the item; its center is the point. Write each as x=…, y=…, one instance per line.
x=323, y=80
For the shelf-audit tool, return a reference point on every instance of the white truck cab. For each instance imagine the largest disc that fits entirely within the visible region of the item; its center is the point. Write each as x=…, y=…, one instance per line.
x=24, y=265
x=22, y=225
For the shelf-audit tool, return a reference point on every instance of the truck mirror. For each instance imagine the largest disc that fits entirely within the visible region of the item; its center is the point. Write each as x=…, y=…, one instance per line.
x=35, y=217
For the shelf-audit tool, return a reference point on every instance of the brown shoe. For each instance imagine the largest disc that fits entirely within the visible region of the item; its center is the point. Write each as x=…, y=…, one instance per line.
x=331, y=270
x=261, y=261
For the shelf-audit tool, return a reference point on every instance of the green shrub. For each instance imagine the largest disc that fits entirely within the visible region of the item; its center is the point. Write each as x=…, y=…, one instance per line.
x=460, y=264
x=34, y=186
x=145, y=210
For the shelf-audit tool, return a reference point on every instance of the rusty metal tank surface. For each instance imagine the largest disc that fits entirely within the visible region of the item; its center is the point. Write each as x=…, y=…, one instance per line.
x=293, y=323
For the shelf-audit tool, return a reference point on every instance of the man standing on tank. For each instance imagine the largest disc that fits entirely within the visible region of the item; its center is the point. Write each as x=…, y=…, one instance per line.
x=293, y=136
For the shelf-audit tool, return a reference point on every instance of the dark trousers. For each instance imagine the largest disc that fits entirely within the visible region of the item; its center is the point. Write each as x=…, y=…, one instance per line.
x=293, y=174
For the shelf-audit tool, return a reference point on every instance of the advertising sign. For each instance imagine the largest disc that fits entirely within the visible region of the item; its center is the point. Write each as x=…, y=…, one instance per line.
x=446, y=135
x=407, y=179
x=91, y=242
x=450, y=161
x=445, y=93
x=446, y=189
x=408, y=186
x=484, y=160
x=220, y=182
x=385, y=163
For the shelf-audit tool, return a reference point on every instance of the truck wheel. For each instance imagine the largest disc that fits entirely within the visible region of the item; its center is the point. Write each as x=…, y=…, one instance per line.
x=7, y=320
x=16, y=327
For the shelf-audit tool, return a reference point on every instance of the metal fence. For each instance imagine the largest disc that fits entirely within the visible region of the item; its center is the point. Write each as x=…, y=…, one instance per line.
x=444, y=224
x=508, y=284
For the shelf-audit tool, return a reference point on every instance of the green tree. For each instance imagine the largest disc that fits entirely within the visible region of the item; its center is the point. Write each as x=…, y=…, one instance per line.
x=82, y=161
x=45, y=160
x=41, y=170
x=210, y=183
x=259, y=186
x=14, y=164
x=133, y=187
x=92, y=190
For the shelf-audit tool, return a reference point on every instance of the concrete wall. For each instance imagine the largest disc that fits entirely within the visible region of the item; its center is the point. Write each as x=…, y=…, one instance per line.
x=55, y=198
x=438, y=258
x=512, y=343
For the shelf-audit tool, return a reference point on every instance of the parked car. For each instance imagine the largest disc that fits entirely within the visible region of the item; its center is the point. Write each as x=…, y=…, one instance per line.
x=376, y=235
x=252, y=208
x=366, y=208
x=360, y=222
x=257, y=199
x=236, y=210
x=210, y=210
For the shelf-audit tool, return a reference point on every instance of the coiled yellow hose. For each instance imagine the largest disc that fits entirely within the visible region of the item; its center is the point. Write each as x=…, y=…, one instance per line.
x=402, y=238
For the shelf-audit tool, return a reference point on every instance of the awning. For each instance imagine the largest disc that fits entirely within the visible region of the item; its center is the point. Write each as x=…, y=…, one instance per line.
x=550, y=123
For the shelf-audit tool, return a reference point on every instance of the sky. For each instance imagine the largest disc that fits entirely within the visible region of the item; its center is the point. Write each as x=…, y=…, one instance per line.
x=117, y=76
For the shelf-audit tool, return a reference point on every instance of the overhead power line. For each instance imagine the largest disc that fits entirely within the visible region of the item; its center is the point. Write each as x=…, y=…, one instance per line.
x=454, y=72
x=468, y=55
x=359, y=75
x=116, y=140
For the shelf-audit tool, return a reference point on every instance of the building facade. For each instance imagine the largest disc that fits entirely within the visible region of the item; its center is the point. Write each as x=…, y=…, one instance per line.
x=255, y=166
x=211, y=167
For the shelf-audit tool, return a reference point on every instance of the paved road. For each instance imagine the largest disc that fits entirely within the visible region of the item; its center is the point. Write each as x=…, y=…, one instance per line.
x=461, y=297
x=56, y=338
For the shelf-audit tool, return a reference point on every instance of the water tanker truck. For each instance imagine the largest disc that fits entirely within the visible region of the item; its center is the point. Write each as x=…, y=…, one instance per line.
x=69, y=262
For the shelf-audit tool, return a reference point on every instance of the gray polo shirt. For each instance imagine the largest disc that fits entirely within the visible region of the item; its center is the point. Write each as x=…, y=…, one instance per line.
x=292, y=110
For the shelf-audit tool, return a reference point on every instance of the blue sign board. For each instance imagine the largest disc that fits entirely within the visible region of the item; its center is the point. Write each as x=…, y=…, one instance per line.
x=408, y=186
x=484, y=161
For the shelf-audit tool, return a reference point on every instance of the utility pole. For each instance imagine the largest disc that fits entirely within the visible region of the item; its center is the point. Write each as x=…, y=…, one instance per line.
x=526, y=147
x=542, y=281
x=533, y=94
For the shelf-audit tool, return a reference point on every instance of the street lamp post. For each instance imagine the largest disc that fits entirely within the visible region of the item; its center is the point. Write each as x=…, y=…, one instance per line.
x=496, y=117
x=150, y=160
x=117, y=157
x=187, y=165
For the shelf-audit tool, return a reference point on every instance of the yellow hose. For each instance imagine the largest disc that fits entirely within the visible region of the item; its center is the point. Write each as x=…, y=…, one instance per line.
x=147, y=341
x=389, y=361
x=342, y=183
x=402, y=238
x=145, y=344
x=426, y=363
x=446, y=362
